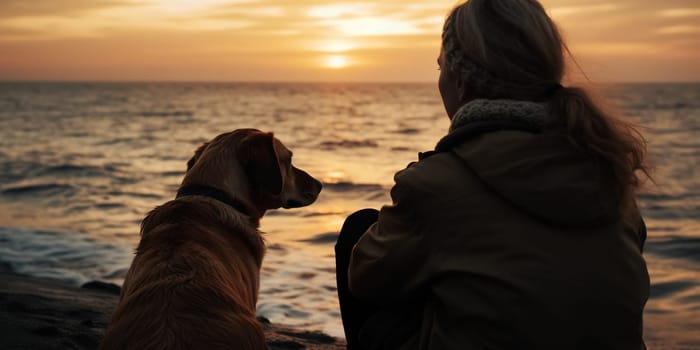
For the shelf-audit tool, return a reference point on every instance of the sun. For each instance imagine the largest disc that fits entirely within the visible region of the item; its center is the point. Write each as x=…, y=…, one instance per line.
x=336, y=62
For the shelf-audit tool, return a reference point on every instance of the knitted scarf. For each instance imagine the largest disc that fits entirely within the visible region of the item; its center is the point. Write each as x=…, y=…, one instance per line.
x=481, y=115
x=534, y=114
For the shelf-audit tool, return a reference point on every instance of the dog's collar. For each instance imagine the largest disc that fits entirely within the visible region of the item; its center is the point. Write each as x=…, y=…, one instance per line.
x=214, y=193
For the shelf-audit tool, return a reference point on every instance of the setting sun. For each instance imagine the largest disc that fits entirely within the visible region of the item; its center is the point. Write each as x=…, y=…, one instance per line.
x=336, y=62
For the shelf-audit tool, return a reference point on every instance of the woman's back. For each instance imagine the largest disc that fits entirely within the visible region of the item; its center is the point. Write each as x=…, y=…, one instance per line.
x=523, y=251
x=514, y=248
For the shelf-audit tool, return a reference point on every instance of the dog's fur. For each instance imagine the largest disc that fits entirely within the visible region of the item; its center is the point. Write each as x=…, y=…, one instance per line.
x=194, y=281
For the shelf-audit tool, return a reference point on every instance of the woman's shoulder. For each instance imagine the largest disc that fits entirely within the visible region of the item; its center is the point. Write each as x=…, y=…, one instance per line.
x=446, y=165
x=433, y=175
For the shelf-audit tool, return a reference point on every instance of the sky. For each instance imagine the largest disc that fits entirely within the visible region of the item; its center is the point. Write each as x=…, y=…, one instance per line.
x=315, y=40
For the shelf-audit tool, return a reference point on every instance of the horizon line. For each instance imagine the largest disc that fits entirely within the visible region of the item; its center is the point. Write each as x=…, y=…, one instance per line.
x=392, y=82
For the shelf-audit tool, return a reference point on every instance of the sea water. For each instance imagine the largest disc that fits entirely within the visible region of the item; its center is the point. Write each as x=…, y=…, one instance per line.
x=82, y=163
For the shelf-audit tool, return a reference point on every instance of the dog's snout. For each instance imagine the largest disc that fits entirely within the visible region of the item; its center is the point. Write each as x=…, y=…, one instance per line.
x=314, y=191
x=318, y=186
x=305, y=195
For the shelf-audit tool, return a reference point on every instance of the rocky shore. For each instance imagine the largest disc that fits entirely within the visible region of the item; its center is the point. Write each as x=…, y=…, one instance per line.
x=40, y=313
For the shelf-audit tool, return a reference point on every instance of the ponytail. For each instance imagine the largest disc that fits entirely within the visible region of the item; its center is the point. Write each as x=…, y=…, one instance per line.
x=612, y=140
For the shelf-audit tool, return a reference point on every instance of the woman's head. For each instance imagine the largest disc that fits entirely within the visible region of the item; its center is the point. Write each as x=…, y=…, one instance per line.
x=511, y=49
x=501, y=49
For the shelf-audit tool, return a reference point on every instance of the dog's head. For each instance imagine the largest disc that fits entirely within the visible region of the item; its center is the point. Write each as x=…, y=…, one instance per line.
x=257, y=165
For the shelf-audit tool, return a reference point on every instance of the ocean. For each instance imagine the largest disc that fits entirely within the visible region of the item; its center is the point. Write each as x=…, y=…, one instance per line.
x=82, y=163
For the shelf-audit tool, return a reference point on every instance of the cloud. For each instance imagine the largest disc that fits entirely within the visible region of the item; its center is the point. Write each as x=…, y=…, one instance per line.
x=616, y=48
x=101, y=18
x=679, y=29
x=372, y=26
x=584, y=10
x=681, y=12
x=253, y=11
x=46, y=27
x=341, y=10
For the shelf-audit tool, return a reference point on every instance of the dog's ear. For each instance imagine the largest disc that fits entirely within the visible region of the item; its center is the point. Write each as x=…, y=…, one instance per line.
x=197, y=153
x=259, y=157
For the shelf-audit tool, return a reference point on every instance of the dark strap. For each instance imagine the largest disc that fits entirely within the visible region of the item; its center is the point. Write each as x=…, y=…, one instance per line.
x=214, y=193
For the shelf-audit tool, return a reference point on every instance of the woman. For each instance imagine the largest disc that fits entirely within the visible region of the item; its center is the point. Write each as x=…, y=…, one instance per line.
x=520, y=230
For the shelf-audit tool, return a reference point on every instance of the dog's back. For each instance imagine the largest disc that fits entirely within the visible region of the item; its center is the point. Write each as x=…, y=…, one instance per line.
x=193, y=283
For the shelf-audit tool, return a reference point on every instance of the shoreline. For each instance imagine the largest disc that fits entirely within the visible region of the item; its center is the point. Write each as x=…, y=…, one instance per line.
x=39, y=313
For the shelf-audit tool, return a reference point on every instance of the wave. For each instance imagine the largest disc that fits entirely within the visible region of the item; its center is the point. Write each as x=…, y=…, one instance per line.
x=135, y=195
x=665, y=289
x=11, y=171
x=330, y=145
x=68, y=256
x=172, y=173
x=324, y=213
x=15, y=170
x=40, y=190
x=677, y=247
x=323, y=238
x=167, y=113
x=116, y=141
x=655, y=197
x=664, y=212
x=72, y=170
x=408, y=131
x=348, y=186
x=109, y=206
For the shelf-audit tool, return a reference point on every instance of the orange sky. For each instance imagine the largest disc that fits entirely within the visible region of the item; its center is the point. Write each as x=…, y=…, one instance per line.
x=315, y=40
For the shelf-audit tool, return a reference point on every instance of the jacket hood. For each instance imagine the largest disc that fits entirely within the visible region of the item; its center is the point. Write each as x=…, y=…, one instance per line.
x=540, y=173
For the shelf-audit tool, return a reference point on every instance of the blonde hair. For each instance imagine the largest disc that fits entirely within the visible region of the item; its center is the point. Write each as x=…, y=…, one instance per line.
x=512, y=49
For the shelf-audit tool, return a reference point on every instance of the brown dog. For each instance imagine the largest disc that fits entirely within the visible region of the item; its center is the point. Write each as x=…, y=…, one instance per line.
x=194, y=281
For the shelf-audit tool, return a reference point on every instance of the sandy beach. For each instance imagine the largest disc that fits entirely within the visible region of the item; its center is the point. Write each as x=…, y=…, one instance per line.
x=45, y=314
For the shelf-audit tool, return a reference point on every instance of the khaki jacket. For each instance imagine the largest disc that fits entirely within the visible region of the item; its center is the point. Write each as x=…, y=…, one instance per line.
x=507, y=239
